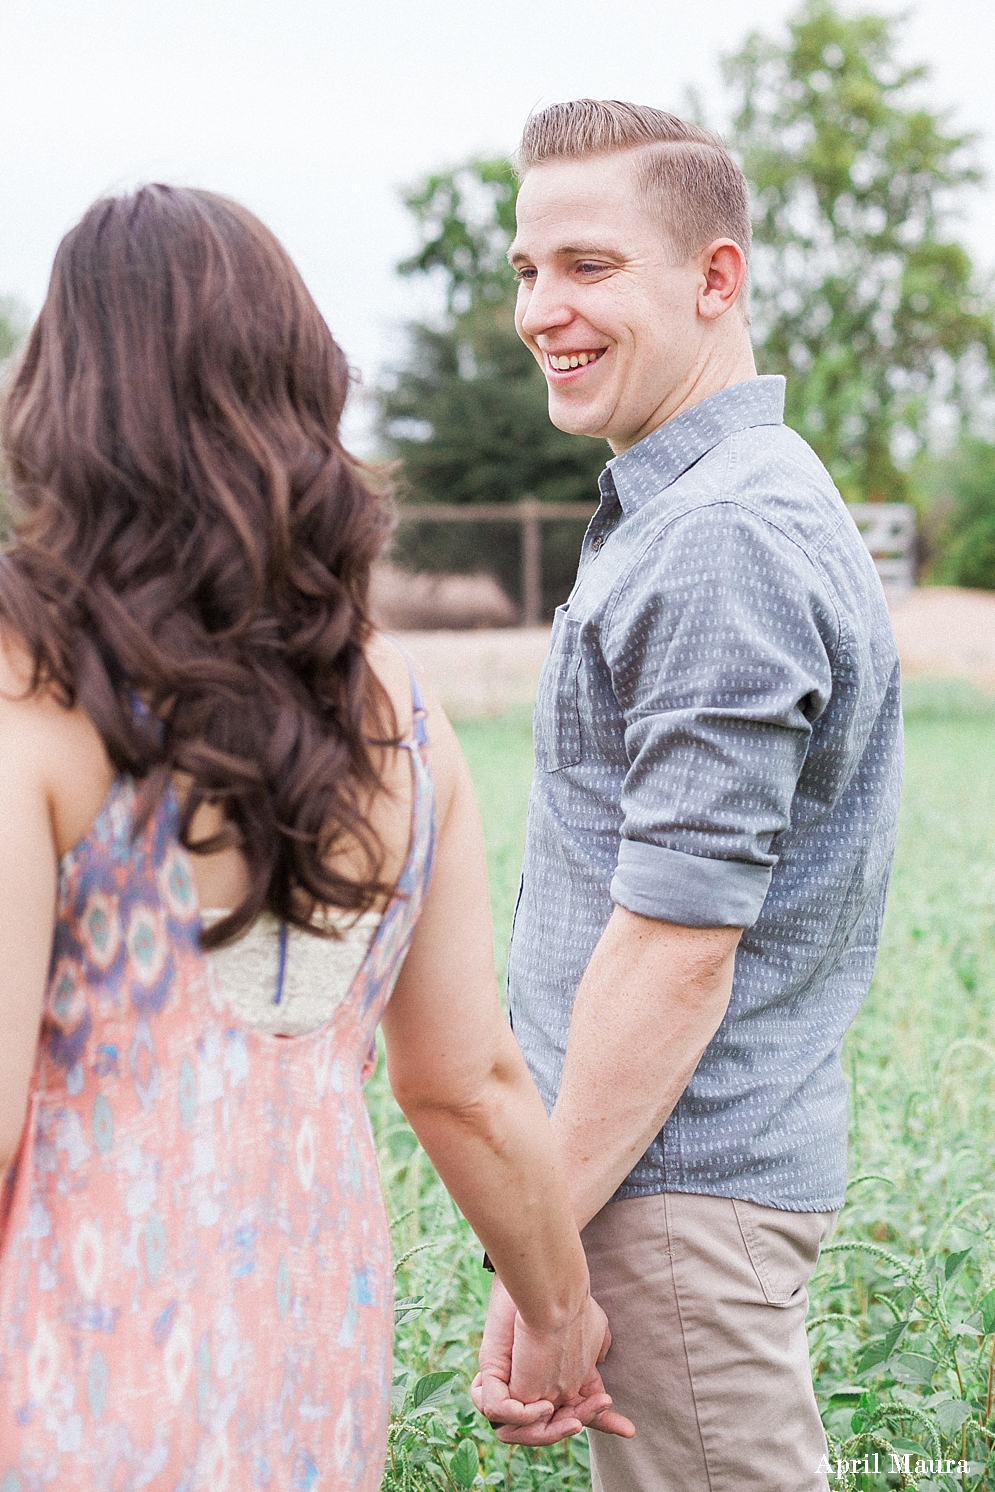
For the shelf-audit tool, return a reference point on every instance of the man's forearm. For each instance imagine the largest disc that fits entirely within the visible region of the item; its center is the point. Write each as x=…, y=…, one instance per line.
x=650, y=1001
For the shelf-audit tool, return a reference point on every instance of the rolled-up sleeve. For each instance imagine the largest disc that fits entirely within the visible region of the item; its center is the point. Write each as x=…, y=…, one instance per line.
x=720, y=648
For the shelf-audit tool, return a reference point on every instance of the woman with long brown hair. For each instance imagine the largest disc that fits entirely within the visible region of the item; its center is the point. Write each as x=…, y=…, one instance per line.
x=230, y=829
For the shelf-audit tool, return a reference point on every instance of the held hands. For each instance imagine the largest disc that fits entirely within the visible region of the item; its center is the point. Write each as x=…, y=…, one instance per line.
x=541, y=1387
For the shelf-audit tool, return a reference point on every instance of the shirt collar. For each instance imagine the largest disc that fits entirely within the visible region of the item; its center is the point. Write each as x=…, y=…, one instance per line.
x=668, y=452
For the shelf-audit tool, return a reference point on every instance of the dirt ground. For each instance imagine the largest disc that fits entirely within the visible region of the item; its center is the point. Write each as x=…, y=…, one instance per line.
x=941, y=631
x=947, y=633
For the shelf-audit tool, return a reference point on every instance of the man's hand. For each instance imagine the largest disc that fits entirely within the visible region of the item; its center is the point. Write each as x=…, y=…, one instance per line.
x=542, y=1422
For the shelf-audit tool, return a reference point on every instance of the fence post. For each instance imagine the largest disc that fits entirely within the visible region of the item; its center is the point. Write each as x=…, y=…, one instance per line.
x=531, y=563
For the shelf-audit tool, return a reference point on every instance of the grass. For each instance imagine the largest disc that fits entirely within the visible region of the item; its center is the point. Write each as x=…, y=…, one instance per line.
x=902, y=1324
x=499, y=754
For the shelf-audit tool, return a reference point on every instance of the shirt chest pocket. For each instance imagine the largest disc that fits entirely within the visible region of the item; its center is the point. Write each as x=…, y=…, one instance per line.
x=557, y=712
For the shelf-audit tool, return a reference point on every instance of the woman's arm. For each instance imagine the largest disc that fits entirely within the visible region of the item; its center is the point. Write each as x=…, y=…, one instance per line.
x=458, y=1074
x=27, y=909
x=54, y=775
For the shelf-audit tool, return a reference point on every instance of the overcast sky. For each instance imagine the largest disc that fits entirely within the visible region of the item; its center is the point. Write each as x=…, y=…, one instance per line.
x=315, y=112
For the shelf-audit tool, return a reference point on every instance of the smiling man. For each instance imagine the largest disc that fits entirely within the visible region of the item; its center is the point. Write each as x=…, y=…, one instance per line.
x=718, y=762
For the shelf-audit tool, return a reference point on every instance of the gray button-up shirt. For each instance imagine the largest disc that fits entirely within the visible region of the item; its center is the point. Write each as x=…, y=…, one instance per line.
x=718, y=743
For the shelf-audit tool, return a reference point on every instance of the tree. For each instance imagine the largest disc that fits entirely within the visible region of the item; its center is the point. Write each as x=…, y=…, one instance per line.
x=466, y=413
x=13, y=323
x=959, y=515
x=859, y=297
x=466, y=219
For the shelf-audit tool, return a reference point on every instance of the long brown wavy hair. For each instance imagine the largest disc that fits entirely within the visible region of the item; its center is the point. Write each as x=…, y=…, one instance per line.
x=193, y=544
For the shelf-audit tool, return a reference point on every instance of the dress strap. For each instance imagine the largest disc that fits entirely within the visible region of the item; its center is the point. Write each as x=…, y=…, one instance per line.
x=418, y=709
x=282, y=964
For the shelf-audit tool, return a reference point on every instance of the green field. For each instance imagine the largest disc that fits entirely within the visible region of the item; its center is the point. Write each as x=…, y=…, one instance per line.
x=903, y=1307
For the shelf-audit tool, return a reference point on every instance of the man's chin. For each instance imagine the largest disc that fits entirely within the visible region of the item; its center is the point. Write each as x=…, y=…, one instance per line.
x=574, y=421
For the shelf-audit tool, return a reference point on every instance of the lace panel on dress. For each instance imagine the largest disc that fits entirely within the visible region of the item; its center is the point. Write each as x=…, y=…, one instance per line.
x=318, y=972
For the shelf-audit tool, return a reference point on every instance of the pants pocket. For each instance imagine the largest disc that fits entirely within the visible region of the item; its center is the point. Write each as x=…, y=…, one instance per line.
x=783, y=1247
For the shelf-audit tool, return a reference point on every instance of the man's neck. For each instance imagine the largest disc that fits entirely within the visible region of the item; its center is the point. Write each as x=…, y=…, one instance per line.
x=722, y=368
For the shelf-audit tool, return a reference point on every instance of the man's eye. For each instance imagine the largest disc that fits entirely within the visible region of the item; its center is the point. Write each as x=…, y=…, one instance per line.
x=587, y=267
x=526, y=275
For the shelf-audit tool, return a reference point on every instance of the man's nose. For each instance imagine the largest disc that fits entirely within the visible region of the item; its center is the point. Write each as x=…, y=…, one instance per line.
x=546, y=307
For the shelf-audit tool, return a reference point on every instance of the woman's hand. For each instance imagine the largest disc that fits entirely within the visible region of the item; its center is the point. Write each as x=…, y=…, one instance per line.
x=553, y=1363
x=540, y=1387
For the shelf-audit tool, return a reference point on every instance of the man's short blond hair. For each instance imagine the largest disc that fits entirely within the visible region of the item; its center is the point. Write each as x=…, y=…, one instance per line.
x=684, y=170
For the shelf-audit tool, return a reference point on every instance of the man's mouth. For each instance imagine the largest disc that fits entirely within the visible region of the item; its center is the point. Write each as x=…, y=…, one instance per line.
x=564, y=362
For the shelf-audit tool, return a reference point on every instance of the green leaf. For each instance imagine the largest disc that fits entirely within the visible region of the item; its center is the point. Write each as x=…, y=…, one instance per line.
x=954, y=1262
x=872, y=1356
x=432, y=1390
x=464, y=1464
x=847, y=1395
x=912, y=1367
x=894, y=1335
x=407, y=1307
x=879, y=1349
x=987, y=1309
x=951, y=1414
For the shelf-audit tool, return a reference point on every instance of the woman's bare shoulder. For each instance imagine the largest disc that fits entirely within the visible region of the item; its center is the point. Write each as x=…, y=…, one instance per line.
x=16, y=667
x=26, y=712
x=49, y=745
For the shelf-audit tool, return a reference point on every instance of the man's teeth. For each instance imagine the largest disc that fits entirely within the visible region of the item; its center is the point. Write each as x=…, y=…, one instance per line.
x=575, y=360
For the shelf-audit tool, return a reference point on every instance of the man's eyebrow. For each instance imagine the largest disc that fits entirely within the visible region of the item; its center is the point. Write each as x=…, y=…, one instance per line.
x=569, y=251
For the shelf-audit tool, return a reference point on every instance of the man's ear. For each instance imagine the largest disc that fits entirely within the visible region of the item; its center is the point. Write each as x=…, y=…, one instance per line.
x=723, y=275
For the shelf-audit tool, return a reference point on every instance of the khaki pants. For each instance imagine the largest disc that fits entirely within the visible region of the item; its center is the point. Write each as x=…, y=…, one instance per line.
x=706, y=1301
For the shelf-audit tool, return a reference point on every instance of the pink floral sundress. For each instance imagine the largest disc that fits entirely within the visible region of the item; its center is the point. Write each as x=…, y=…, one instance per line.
x=195, y=1264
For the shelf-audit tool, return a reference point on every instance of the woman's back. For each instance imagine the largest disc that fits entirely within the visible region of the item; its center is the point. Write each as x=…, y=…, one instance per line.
x=284, y=980
x=196, y=1266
